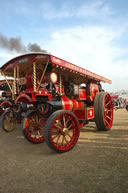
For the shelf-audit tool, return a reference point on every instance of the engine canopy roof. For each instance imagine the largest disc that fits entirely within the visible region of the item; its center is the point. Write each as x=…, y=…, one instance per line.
x=68, y=70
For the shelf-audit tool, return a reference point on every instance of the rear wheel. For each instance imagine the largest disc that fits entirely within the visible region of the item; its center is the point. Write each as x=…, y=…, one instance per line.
x=8, y=121
x=62, y=131
x=33, y=127
x=103, y=110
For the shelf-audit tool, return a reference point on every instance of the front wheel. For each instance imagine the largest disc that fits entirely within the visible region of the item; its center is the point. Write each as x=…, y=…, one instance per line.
x=103, y=110
x=8, y=121
x=33, y=127
x=62, y=131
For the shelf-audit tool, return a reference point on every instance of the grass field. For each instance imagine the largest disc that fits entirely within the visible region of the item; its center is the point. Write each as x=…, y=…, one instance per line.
x=97, y=164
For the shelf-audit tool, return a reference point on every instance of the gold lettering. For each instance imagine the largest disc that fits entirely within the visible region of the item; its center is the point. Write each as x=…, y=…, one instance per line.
x=56, y=60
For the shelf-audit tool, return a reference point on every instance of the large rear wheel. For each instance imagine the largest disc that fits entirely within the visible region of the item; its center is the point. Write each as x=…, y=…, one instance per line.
x=33, y=127
x=103, y=110
x=62, y=131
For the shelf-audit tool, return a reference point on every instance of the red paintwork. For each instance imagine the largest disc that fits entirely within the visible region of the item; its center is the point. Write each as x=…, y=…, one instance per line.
x=82, y=94
x=4, y=82
x=90, y=113
x=29, y=79
x=114, y=97
x=92, y=90
x=65, y=102
x=78, y=69
x=80, y=113
x=71, y=104
x=24, y=98
x=22, y=59
x=108, y=111
x=22, y=81
x=33, y=57
x=84, y=113
x=6, y=104
x=58, y=89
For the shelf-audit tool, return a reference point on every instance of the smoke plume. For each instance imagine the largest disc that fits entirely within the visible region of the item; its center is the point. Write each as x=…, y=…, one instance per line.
x=15, y=44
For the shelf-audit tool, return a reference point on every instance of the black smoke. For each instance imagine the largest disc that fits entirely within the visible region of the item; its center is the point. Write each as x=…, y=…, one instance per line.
x=15, y=44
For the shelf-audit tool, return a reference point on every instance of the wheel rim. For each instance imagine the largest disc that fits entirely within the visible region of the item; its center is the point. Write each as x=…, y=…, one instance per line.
x=34, y=128
x=108, y=111
x=64, y=132
x=9, y=122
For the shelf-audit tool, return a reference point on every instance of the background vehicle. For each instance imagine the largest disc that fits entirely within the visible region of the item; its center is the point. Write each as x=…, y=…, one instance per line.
x=118, y=101
x=5, y=95
x=57, y=98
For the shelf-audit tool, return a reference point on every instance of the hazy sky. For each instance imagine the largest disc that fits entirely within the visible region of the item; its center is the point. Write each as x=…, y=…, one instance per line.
x=90, y=33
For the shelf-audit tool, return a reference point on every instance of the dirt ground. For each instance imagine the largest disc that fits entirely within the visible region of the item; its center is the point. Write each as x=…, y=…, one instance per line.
x=97, y=164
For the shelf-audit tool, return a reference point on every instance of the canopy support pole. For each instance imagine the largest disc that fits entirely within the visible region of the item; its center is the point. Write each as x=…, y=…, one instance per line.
x=34, y=76
x=14, y=82
x=60, y=84
x=2, y=73
x=43, y=75
x=18, y=90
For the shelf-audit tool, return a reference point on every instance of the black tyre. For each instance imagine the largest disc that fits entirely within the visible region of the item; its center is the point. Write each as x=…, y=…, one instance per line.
x=62, y=131
x=103, y=110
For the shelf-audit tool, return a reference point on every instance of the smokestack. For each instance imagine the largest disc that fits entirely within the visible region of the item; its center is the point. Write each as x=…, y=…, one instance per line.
x=15, y=44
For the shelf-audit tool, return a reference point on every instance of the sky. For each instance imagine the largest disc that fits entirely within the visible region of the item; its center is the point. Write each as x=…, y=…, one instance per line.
x=92, y=34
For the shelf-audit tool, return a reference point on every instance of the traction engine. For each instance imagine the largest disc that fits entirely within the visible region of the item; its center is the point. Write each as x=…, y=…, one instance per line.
x=54, y=99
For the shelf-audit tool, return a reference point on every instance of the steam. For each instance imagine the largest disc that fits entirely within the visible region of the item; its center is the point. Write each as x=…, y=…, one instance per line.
x=15, y=44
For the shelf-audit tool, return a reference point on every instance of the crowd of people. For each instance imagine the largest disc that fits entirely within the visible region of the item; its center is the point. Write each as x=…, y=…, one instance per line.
x=119, y=102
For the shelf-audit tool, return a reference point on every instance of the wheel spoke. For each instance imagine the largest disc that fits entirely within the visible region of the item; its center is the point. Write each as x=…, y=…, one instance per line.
x=55, y=137
x=58, y=138
x=59, y=122
x=39, y=134
x=107, y=104
x=107, y=122
x=106, y=98
x=8, y=122
x=57, y=126
x=67, y=121
x=64, y=121
x=109, y=110
x=63, y=140
x=66, y=140
x=108, y=117
x=70, y=126
x=69, y=136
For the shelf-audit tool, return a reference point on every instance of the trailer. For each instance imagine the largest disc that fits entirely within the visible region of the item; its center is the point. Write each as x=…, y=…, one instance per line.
x=54, y=99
